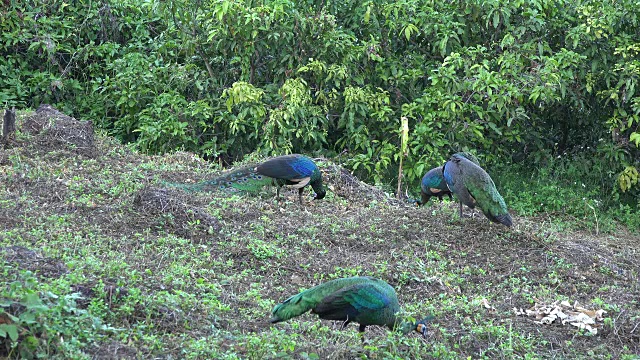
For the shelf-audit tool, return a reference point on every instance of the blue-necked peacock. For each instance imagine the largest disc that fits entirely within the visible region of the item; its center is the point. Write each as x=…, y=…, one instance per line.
x=433, y=183
x=365, y=300
x=473, y=186
x=296, y=170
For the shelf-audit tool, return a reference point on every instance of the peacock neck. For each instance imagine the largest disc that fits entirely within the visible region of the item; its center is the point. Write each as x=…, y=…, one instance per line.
x=406, y=327
x=319, y=189
x=402, y=326
x=316, y=183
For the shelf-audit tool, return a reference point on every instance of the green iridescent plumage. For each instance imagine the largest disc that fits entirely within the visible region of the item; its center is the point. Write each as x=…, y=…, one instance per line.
x=474, y=187
x=365, y=300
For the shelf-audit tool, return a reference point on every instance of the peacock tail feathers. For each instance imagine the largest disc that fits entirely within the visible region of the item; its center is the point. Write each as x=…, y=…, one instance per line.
x=298, y=304
x=491, y=202
x=243, y=179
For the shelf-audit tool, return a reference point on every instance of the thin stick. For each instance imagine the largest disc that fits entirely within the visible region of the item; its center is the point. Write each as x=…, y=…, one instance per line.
x=404, y=140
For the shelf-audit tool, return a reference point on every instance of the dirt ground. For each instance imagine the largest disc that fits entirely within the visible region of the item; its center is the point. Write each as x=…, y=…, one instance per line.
x=246, y=253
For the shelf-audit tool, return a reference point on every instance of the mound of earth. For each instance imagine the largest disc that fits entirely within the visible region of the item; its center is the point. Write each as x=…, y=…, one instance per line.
x=54, y=130
x=347, y=186
x=22, y=258
x=158, y=202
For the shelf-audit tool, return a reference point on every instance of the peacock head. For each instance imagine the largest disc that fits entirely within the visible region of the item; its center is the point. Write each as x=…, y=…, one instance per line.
x=422, y=329
x=420, y=326
x=320, y=195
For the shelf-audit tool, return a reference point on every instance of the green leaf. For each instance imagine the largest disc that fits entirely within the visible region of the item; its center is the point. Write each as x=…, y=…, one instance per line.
x=32, y=299
x=494, y=128
x=635, y=138
x=11, y=330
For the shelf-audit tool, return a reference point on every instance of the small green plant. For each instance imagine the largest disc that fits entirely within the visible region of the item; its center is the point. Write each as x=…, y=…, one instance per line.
x=45, y=324
x=263, y=250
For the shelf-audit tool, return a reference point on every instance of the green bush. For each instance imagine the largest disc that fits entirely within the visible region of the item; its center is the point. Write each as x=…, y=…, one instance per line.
x=44, y=325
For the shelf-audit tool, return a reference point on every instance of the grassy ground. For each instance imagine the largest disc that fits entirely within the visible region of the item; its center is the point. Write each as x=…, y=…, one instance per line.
x=100, y=260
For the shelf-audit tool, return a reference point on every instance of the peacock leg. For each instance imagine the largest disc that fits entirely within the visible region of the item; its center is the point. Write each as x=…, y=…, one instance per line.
x=361, y=332
x=460, y=210
x=277, y=192
x=300, y=195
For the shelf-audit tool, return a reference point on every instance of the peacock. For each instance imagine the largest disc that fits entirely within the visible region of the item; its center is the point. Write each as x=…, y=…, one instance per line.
x=433, y=183
x=363, y=299
x=295, y=169
x=473, y=186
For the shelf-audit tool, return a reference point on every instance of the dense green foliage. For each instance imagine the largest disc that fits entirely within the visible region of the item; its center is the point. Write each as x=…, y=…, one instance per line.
x=519, y=81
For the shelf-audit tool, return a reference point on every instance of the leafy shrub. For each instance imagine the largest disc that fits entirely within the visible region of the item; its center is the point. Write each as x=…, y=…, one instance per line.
x=44, y=325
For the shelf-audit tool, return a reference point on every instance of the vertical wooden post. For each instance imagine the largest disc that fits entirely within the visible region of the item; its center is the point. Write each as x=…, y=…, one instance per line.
x=404, y=150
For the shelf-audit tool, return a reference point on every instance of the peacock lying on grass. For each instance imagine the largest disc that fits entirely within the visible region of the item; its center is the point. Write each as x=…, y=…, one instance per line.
x=473, y=186
x=296, y=170
x=365, y=300
x=433, y=183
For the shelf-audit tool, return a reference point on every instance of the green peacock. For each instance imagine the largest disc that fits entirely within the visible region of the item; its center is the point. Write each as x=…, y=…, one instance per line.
x=362, y=299
x=434, y=184
x=296, y=170
x=474, y=187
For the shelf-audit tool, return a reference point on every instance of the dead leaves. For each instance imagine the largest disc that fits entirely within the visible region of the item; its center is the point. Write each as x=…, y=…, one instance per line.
x=575, y=315
x=486, y=305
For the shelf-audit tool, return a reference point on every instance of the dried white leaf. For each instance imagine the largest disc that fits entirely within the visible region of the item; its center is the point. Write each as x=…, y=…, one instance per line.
x=548, y=319
x=575, y=314
x=519, y=311
x=486, y=305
